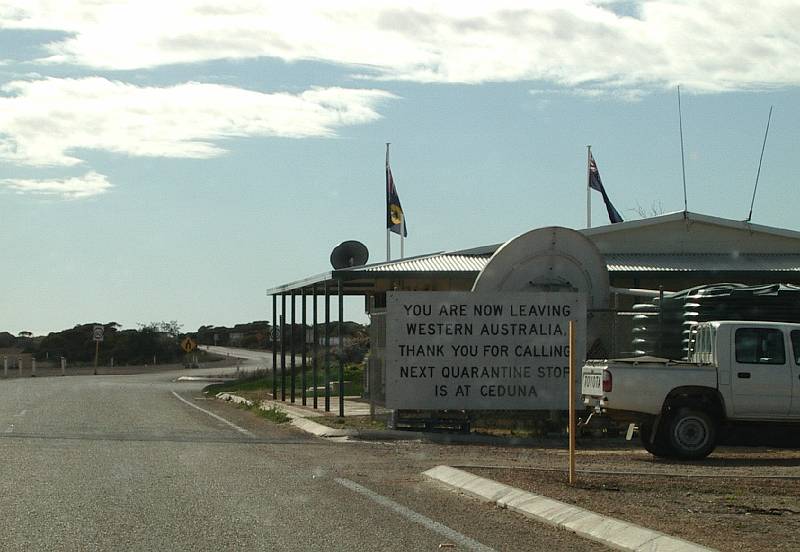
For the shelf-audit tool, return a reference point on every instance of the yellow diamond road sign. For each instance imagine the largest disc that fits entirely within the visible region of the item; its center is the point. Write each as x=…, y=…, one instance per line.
x=188, y=344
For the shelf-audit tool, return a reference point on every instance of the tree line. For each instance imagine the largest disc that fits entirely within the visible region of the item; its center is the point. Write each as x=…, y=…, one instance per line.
x=159, y=340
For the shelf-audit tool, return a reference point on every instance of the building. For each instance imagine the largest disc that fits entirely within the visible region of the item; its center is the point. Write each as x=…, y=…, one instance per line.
x=669, y=252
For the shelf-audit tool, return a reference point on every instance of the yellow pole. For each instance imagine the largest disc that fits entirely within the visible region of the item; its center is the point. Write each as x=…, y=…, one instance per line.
x=572, y=424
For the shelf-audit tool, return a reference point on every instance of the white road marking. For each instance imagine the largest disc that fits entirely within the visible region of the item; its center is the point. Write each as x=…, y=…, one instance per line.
x=444, y=530
x=220, y=418
x=19, y=415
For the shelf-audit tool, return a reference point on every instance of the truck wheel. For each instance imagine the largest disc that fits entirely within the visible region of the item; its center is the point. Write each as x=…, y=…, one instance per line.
x=691, y=433
x=659, y=446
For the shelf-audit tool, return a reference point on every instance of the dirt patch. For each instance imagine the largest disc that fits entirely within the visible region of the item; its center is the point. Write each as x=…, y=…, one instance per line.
x=734, y=501
x=352, y=422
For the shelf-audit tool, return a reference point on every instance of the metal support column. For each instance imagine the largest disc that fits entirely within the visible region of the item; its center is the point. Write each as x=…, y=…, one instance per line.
x=283, y=347
x=292, y=349
x=315, y=348
x=327, y=349
x=274, y=346
x=341, y=349
x=304, y=352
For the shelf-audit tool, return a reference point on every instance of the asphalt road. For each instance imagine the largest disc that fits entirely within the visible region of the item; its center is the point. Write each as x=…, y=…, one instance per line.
x=122, y=463
x=263, y=358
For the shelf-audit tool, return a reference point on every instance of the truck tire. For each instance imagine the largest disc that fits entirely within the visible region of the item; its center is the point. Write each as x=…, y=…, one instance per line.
x=659, y=446
x=691, y=434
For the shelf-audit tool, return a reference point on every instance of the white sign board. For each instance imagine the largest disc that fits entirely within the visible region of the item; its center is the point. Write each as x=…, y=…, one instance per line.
x=481, y=350
x=97, y=333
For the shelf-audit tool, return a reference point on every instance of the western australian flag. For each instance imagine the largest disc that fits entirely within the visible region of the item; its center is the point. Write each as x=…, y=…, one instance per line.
x=395, y=218
x=596, y=184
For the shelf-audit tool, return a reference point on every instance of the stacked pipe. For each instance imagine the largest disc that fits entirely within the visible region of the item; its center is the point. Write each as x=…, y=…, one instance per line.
x=666, y=329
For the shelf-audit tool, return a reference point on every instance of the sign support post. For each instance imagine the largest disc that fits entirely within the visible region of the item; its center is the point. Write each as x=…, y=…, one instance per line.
x=97, y=336
x=572, y=424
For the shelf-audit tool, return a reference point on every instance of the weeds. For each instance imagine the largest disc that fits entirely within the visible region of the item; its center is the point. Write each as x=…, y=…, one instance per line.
x=273, y=414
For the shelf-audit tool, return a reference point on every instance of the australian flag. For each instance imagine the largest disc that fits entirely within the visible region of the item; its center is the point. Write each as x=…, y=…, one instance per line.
x=596, y=184
x=395, y=218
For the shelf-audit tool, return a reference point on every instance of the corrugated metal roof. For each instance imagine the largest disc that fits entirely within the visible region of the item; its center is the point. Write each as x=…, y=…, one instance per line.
x=447, y=262
x=440, y=262
x=697, y=263
x=457, y=262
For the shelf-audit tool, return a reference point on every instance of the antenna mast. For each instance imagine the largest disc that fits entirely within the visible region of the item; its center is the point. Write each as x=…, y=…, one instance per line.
x=683, y=161
x=764, y=145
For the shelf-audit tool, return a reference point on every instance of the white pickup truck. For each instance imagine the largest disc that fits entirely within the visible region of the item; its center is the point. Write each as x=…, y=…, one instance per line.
x=739, y=376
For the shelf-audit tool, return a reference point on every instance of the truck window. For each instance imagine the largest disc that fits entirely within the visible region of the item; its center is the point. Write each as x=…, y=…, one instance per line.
x=703, y=345
x=796, y=346
x=759, y=346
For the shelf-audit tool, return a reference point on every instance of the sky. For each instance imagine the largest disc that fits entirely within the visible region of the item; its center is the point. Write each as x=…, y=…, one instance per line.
x=173, y=160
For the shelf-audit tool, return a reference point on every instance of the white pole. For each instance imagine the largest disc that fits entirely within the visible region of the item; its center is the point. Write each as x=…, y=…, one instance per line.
x=19, y=365
x=402, y=235
x=5, y=366
x=588, y=187
x=388, y=232
x=63, y=366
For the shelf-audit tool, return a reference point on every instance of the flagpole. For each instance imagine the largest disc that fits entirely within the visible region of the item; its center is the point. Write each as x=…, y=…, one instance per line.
x=588, y=187
x=402, y=234
x=388, y=231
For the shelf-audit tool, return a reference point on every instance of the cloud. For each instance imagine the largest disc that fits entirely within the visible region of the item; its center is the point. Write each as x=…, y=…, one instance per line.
x=46, y=122
x=706, y=45
x=599, y=93
x=77, y=187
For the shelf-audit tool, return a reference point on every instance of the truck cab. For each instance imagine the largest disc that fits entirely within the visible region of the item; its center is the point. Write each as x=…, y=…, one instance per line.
x=758, y=367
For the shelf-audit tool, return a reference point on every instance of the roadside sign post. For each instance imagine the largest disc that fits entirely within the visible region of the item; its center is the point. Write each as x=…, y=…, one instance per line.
x=572, y=424
x=188, y=345
x=97, y=336
x=33, y=367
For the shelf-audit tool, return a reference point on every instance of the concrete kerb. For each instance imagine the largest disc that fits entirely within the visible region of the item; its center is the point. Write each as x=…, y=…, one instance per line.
x=603, y=529
x=296, y=416
x=235, y=399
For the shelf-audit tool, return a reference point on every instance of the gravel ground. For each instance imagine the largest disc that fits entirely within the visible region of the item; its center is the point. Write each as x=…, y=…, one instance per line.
x=735, y=500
